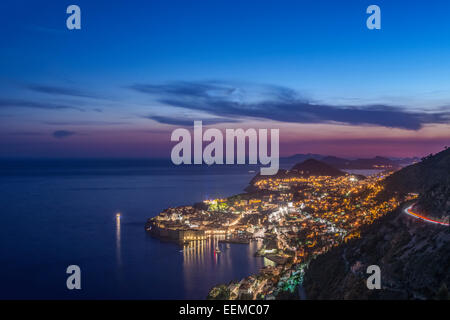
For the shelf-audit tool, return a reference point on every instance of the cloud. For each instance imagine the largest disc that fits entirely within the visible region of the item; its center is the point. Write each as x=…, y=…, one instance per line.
x=59, y=134
x=189, y=121
x=13, y=103
x=56, y=90
x=25, y=133
x=228, y=101
x=85, y=123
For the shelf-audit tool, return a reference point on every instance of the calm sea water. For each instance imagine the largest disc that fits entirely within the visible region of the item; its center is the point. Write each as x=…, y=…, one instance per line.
x=55, y=215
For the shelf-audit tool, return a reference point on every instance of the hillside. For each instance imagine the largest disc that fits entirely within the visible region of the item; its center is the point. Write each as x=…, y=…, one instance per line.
x=414, y=259
x=307, y=168
x=413, y=255
x=342, y=163
x=371, y=163
x=312, y=167
x=430, y=178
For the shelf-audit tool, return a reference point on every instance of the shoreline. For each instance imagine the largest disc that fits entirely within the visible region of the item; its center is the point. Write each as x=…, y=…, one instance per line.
x=295, y=213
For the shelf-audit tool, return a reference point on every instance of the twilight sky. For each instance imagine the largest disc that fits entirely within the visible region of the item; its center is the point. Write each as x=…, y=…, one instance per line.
x=139, y=69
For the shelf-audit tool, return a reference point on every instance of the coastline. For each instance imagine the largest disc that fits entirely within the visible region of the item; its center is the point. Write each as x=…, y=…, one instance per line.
x=298, y=214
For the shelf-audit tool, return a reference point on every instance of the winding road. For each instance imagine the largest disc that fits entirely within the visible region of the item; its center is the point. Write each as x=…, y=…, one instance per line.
x=408, y=211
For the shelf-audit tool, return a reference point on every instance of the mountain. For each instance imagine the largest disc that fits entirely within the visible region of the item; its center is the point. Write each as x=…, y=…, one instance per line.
x=288, y=162
x=312, y=167
x=430, y=178
x=337, y=162
x=307, y=168
x=413, y=255
x=302, y=157
x=403, y=162
x=372, y=163
x=342, y=163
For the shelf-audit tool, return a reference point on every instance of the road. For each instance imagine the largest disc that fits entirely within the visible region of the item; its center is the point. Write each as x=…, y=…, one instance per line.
x=408, y=211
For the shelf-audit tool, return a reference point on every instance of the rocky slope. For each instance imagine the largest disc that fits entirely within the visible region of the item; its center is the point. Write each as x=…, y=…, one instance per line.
x=431, y=179
x=414, y=256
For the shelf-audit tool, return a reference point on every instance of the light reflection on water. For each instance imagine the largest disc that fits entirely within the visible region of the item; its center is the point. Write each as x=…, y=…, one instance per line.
x=202, y=256
x=72, y=220
x=118, y=250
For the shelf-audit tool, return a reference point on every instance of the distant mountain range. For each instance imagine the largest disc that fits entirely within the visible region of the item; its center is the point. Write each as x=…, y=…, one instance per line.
x=307, y=165
x=413, y=255
x=131, y=166
x=341, y=163
x=307, y=168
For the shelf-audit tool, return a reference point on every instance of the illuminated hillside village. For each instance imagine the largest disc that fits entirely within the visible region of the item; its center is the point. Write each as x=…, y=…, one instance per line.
x=296, y=215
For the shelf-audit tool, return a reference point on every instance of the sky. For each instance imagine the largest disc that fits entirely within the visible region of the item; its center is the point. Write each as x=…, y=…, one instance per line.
x=137, y=70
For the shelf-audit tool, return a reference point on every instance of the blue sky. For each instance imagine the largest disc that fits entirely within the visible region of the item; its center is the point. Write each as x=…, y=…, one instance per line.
x=84, y=82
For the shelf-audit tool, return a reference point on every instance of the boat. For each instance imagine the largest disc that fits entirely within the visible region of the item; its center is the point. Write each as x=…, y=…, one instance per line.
x=217, y=250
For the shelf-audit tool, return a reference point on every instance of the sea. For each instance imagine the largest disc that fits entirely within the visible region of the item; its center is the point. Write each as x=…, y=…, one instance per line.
x=57, y=213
